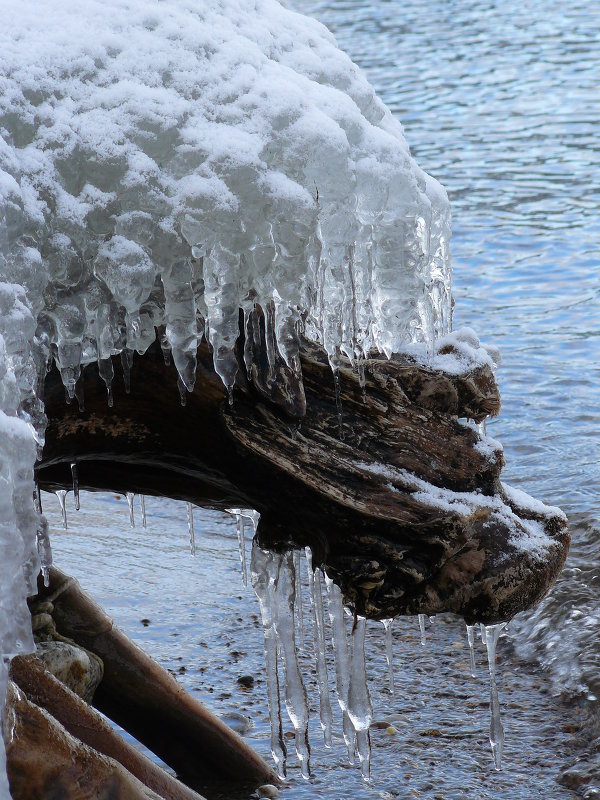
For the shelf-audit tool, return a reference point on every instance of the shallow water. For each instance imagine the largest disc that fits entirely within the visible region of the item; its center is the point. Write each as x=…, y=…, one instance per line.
x=500, y=103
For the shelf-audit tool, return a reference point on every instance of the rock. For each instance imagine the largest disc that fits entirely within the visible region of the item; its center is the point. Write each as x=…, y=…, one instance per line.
x=78, y=669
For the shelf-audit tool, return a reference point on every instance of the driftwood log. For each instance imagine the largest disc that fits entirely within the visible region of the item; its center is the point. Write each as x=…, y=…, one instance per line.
x=144, y=699
x=44, y=761
x=399, y=499
x=85, y=725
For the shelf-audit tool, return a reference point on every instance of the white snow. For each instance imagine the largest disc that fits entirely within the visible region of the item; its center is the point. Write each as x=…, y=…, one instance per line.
x=527, y=536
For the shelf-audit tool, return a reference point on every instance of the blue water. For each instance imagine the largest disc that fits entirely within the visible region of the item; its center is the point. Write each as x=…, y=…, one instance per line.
x=501, y=103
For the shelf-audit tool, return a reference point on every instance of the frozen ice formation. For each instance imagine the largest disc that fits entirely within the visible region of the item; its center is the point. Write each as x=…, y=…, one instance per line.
x=166, y=164
x=163, y=165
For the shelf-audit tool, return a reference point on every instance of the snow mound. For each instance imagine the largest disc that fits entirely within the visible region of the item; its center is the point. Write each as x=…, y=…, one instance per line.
x=166, y=163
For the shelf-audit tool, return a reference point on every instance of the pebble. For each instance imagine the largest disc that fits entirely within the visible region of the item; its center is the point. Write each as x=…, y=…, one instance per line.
x=267, y=790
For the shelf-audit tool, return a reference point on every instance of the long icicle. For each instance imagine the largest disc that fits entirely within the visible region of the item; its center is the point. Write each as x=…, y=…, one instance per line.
x=316, y=597
x=492, y=633
x=241, y=534
x=143, y=510
x=387, y=624
x=190, y=522
x=471, y=640
x=360, y=709
x=296, y=700
x=342, y=660
x=130, y=498
x=422, y=627
x=299, y=609
x=263, y=575
x=61, y=495
x=75, y=485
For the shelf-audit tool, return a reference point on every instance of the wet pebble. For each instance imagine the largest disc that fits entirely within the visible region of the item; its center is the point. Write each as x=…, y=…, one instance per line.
x=240, y=723
x=246, y=681
x=267, y=790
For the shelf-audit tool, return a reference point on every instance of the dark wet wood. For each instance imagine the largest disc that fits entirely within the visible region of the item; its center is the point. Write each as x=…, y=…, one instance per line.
x=44, y=762
x=354, y=498
x=85, y=724
x=147, y=701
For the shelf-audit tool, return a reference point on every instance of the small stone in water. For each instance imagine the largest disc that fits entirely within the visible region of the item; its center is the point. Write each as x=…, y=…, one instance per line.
x=246, y=681
x=267, y=790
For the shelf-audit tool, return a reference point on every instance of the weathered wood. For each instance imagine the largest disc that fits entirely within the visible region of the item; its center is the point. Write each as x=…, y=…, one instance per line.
x=147, y=701
x=44, y=762
x=359, y=499
x=88, y=726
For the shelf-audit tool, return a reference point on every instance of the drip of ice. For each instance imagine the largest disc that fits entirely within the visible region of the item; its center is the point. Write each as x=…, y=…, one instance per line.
x=422, y=628
x=342, y=660
x=143, y=510
x=471, y=640
x=61, y=495
x=316, y=597
x=387, y=624
x=482, y=635
x=190, y=522
x=299, y=609
x=240, y=515
x=295, y=693
x=44, y=549
x=75, y=486
x=492, y=633
x=241, y=534
x=360, y=710
x=263, y=575
x=130, y=499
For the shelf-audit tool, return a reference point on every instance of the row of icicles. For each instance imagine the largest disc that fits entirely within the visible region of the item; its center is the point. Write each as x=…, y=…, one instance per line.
x=277, y=581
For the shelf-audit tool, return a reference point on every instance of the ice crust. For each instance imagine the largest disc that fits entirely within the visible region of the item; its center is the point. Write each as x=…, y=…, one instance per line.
x=169, y=163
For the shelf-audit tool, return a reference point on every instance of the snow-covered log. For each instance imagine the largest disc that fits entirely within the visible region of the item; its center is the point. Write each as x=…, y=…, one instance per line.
x=397, y=494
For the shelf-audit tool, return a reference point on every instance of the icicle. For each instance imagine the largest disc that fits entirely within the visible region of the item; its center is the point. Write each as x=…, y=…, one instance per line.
x=190, y=521
x=166, y=348
x=130, y=496
x=37, y=498
x=482, y=633
x=360, y=710
x=295, y=693
x=143, y=510
x=471, y=640
x=61, y=495
x=387, y=624
x=338, y=403
x=299, y=610
x=342, y=660
x=263, y=574
x=422, y=627
x=241, y=534
x=492, y=633
x=44, y=549
x=252, y=515
x=75, y=486
x=314, y=583
x=126, y=364
x=182, y=392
